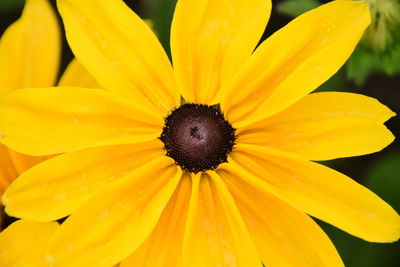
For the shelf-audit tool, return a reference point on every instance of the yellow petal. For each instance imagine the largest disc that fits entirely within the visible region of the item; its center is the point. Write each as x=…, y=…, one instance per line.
x=117, y=220
x=59, y=186
x=317, y=190
x=120, y=51
x=295, y=61
x=210, y=39
x=24, y=162
x=77, y=75
x=7, y=170
x=325, y=126
x=215, y=233
x=54, y=120
x=23, y=243
x=13, y=164
x=30, y=49
x=164, y=246
x=283, y=235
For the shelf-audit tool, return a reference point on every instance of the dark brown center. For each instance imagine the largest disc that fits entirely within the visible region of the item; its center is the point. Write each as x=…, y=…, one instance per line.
x=197, y=137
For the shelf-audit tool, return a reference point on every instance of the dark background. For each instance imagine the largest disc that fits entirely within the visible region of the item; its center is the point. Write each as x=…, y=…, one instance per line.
x=379, y=171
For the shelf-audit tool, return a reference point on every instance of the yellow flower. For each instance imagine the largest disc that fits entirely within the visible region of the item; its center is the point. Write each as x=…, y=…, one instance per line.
x=29, y=57
x=208, y=163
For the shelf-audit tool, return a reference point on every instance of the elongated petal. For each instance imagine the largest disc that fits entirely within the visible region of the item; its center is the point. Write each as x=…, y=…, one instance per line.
x=7, y=169
x=210, y=39
x=24, y=243
x=295, y=61
x=283, y=235
x=215, y=232
x=318, y=191
x=116, y=221
x=22, y=162
x=30, y=49
x=164, y=246
x=325, y=126
x=77, y=75
x=120, y=51
x=54, y=120
x=59, y=186
x=13, y=164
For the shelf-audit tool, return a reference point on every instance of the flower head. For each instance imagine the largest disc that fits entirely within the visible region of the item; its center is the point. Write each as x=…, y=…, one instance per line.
x=226, y=177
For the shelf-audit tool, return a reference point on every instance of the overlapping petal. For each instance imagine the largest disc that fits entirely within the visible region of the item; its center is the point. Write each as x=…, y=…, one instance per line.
x=7, y=170
x=59, y=186
x=294, y=61
x=30, y=49
x=324, y=126
x=215, y=233
x=318, y=191
x=164, y=245
x=210, y=39
x=117, y=220
x=45, y=121
x=24, y=243
x=120, y=51
x=77, y=75
x=284, y=236
x=13, y=164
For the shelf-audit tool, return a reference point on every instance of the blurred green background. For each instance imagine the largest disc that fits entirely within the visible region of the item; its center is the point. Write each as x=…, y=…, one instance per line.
x=373, y=72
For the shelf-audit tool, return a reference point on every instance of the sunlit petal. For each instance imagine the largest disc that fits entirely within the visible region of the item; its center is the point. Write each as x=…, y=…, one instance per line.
x=117, y=220
x=77, y=75
x=284, y=236
x=318, y=191
x=56, y=188
x=210, y=39
x=45, y=121
x=30, y=49
x=215, y=233
x=324, y=126
x=164, y=245
x=120, y=51
x=294, y=61
x=24, y=243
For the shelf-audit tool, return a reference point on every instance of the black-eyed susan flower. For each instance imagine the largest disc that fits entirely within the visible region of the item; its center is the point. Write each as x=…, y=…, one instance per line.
x=29, y=57
x=208, y=162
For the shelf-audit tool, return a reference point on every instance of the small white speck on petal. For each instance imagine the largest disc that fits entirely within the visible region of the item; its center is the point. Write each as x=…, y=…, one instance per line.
x=49, y=259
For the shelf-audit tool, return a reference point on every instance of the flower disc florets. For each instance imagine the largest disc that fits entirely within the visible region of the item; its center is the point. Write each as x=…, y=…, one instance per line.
x=197, y=137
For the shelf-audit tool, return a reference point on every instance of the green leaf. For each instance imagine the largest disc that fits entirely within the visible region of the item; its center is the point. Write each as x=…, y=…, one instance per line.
x=161, y=16
x=383, y=178
x=336, y=83
x=7, y=5
x=360, y=65
x=356, y=252
x=294, y=8
x=364, y=61
x=390, y=61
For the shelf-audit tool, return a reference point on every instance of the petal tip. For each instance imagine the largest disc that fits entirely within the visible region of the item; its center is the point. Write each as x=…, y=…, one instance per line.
x=395, y=234
x=390, y=138
x=5, y=200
